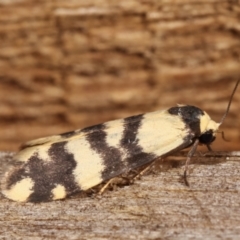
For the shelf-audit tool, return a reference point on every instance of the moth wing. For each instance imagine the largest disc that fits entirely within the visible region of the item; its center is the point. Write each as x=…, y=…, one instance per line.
x=41, y=145
x=162, y=133
x=41, y=141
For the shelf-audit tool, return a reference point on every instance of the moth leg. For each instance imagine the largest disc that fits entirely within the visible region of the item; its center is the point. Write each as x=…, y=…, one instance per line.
x=105, y=186
x=189, y=156
x=209, y=148
x=116, y=180
x=144, y=170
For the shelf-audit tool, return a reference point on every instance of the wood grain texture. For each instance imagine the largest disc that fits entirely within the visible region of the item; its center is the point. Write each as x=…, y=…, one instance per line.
x=71, y=64
x=158, y=206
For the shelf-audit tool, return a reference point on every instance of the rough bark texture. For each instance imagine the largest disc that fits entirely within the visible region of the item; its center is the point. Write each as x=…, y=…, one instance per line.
x=70, y=64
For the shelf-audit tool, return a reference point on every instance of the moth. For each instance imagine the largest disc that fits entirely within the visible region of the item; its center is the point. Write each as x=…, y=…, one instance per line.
x=58, y=166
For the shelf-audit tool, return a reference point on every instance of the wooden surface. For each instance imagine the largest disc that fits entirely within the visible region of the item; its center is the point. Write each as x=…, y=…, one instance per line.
x=71, y=64
x=158, y=206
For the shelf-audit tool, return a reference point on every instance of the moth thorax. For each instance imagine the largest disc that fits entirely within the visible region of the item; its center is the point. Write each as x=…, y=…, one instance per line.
x=207, y=124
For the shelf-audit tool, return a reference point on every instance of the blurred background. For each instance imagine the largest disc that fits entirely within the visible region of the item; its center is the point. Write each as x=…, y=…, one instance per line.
x=70, y=64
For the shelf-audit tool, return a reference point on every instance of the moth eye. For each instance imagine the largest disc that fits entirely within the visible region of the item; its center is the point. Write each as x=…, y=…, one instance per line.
x=207, y=137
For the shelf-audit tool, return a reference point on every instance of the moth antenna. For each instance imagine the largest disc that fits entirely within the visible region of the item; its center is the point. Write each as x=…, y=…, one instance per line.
x=229, y=103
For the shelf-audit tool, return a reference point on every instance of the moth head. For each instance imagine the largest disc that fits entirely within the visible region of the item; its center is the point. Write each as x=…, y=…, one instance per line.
x=208, y=129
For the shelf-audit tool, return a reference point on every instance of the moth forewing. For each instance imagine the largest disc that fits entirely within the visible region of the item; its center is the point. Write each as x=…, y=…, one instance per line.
x=81, y=160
